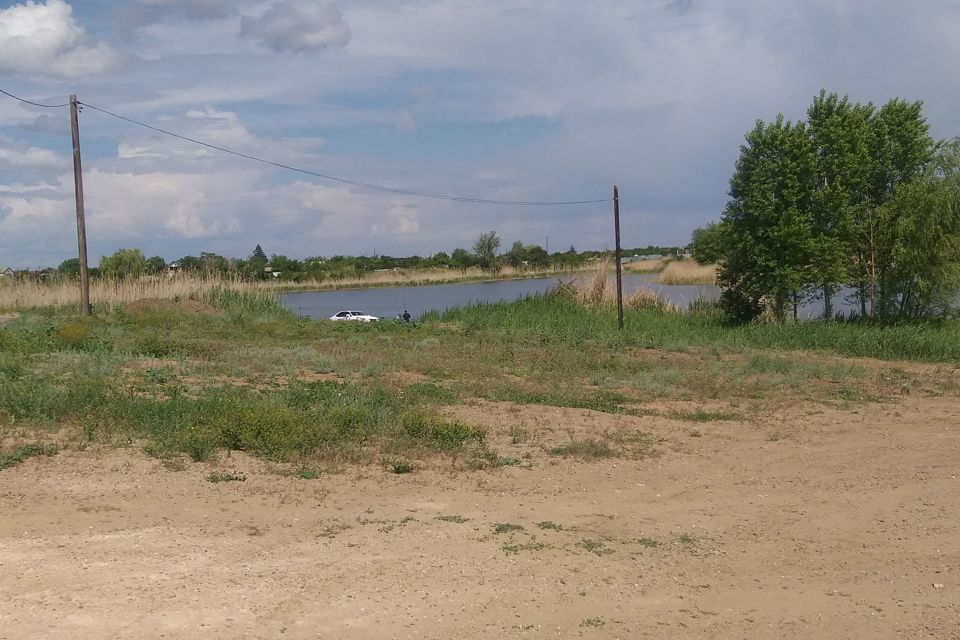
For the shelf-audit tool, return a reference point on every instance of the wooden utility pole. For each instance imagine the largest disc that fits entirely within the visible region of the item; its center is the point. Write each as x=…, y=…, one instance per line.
x=616, y=227
x=81, y=222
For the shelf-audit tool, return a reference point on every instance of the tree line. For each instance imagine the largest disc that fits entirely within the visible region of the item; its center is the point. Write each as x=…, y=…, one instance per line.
x=485, y=254
x=856, y=197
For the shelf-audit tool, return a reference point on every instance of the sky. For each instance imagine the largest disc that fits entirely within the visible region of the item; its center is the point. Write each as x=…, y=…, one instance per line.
x=509, y=100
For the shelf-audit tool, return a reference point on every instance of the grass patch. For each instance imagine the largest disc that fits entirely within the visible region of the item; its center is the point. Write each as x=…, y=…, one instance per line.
x=701, y=415
x=650, y=543
x=307, y=474
x=596, y=547
x=452, y=518
x=226, y=476
x=513, y=549
x=507, y=527
x=588, y=449
x=549, y=524
x=23, y=452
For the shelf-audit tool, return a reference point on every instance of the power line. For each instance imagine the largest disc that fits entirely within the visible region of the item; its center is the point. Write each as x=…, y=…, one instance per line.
x=355, y=183
x=36, y=104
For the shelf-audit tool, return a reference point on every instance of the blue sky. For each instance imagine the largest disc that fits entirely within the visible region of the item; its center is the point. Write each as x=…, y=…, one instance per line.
x=519, y=99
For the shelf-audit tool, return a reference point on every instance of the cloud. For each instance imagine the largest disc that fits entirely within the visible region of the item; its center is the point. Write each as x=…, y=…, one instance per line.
x=146, y=12
x=14, y=156
x=297, y=26
x=43, y=38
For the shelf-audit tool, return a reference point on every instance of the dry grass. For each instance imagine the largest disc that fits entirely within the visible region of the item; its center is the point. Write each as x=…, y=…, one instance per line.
x=645, y=266
x=599, y=288
x=65, y=293
x=688, y=272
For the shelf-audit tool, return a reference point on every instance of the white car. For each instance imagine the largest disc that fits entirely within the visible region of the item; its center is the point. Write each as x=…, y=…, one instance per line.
x=359, y=316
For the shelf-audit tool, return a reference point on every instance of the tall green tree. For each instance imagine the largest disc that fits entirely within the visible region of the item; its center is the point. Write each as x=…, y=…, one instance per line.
x=840, y=132
x=485, y=248
x=707, y=244
x=769, y=239
x=901, y=150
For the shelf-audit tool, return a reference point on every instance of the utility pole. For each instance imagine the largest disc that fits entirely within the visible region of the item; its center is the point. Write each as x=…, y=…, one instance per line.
x=81, y=223
x=616, y=227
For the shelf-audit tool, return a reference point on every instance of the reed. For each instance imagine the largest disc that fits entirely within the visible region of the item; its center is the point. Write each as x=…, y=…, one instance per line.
x=64, y=293
x=645, y=266
x=688, y=272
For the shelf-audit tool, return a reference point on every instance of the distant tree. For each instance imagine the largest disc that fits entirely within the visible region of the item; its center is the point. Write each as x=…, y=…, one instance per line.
x=517, y=255
x=285, y=264
x=155, y=265
x=440, y=259
x=461, y=258
x=190, y=263
x=214, y=263
x=707, y=243
x=125, y=263
x=485, y=249
x=537, y=255
x=70, y=267
x=258, y=254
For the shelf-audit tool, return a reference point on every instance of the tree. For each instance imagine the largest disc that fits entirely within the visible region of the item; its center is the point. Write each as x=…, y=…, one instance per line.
x=517, y=255
x=769, y=246
x=155, y=265
x=70, y=267
x=923, y=276
x=485, y=249
x=258, y=254
x=840, y=132
x=707, y=243
x=125, y=263
x=461, y=258
x=901, y=150
x=537, y=255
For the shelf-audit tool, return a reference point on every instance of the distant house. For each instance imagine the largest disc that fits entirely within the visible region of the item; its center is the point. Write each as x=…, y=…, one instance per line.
x=7, y=273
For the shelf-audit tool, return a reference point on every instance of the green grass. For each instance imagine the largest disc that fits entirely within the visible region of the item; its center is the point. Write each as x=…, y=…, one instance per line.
x=596, y=547
x=23, y=452
x=458, y=519
x=507, y=527
x=247, y=377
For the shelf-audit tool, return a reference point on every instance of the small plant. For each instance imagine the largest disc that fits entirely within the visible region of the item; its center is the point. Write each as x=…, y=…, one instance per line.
x=648, y=542
x=307, y=474
x=688, y=540
x=592, y=622
x=400, y=467
x=454, y=518
x=20, y=454
x=218, y=476
x=596, y=547
x=584, y=450
x=549, y=524
x=513, y=549
x=506, y=527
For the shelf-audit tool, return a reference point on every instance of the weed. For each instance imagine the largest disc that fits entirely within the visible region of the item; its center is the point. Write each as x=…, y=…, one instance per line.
x=307, y=474
x=589, y=449
x=455, y=518
x=513, y=549
x=596, y=547
x=507, y=527
x=688, y=539
x=226, y=476
x=701, y=415
x=592, y=622
x=21, y=453
x=549, y=524
x=648, y=542
x=401, y=467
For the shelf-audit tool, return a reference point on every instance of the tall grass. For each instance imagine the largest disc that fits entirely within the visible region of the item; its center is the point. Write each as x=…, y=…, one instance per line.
x=688, y=272
x=564, y=320
x=65, y=293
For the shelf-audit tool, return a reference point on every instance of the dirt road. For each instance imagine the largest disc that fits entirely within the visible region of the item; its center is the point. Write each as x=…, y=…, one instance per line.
x=832, y=524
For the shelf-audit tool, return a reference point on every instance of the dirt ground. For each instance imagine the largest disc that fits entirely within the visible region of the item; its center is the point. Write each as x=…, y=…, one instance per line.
x=815, y=524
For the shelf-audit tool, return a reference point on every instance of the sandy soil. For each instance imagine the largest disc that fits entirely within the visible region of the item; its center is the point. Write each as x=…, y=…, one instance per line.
x=822, y=524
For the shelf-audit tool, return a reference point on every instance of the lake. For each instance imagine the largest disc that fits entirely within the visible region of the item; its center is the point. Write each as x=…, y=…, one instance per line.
x=388, y=302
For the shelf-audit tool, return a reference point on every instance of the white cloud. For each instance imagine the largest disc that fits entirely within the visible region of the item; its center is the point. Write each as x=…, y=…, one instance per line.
x=43, y=38
x=146, y=12
x=297, y=26
x=17, y=157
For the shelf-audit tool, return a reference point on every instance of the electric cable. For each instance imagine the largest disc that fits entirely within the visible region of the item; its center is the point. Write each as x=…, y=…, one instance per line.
x=36, y=104
x=355, y=183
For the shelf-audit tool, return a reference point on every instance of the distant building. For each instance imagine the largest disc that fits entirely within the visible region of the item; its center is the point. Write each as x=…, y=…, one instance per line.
x=7, y=273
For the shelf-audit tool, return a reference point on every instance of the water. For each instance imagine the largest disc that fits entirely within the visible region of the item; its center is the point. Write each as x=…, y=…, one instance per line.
x=388, y=302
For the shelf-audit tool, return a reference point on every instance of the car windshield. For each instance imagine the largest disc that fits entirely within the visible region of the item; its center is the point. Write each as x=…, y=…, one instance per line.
x=358, y=313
